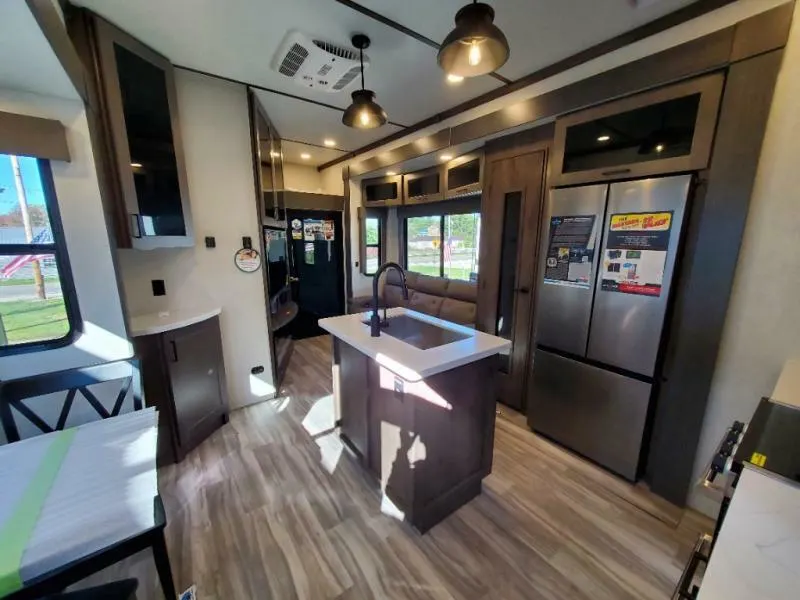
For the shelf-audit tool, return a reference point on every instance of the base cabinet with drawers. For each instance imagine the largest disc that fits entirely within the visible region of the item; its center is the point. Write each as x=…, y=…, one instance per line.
x=184, y=378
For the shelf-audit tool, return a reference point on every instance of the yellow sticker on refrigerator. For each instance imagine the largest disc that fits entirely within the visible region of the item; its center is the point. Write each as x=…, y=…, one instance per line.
x=636, y=253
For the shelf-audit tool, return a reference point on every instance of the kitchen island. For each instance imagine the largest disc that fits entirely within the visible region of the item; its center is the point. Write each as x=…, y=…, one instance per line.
x=416, y=405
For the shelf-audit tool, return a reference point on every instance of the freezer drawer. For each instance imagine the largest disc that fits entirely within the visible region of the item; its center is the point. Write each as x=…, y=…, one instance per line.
x=575, y=218
x=594, y=412
x=641, y=238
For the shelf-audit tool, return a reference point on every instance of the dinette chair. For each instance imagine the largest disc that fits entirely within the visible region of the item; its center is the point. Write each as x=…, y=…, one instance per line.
x=17, y=396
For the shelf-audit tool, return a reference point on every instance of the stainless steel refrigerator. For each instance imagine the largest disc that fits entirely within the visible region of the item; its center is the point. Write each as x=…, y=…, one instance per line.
x=607, y=275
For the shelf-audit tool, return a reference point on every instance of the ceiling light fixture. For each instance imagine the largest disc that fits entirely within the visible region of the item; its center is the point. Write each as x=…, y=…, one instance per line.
x=660, y=148
x=274, y=154
x=446, y=157
x=136, y=165
x=453, y=78
x=604, y=138
x=476, y=46
x=329, y=143
x=305, y=155
x=390, y=173
x=364, y=112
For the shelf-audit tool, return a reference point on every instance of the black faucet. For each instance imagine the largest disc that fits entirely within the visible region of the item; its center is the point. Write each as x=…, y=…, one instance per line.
x=375, y=320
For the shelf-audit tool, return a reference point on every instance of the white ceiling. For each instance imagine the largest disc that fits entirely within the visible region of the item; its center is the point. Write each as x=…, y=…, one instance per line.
x=36, y=69
x=239, y=38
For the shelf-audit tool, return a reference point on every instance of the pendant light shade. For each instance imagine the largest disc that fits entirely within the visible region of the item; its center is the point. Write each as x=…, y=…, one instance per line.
x=363, y=112
x=476, y=46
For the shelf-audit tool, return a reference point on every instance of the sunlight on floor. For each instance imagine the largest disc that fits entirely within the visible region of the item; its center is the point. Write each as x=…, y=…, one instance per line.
x=390, y=509
x=321, y=417
x=280, y=404
x=330, y=449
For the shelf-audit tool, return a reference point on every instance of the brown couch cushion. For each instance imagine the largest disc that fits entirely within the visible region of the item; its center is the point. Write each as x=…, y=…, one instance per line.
x=463, y=290
x=393, y=295
x=458, y=312
x=425, y=303
x=393, y=278
x=431, y=285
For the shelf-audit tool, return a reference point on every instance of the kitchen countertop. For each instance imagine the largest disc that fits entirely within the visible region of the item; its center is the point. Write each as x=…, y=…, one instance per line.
x=756, y=553
x=405, y=360
x=168, y=320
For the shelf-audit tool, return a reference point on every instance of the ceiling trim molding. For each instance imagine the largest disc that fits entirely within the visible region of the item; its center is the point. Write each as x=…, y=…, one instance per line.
x=270, y=90
x=673, y=19
x=55, y=32
x=403, y=29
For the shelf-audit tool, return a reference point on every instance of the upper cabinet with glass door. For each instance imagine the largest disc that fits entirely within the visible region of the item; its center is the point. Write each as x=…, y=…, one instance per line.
x=141, y=114
x=665, y=131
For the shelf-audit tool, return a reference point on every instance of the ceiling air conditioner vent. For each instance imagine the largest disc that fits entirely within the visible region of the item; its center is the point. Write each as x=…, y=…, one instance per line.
x=317, y=64
x=293, y=60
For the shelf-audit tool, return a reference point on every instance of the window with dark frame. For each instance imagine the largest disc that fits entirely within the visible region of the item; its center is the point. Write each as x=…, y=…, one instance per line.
x=443, y=245
x=372, y=245
x=38, y=306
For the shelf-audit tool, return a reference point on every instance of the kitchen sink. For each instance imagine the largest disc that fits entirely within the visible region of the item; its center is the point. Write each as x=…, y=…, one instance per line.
x=418, y=333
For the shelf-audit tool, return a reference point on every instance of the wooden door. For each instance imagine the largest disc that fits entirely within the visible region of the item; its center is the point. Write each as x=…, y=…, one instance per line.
x=511, y=211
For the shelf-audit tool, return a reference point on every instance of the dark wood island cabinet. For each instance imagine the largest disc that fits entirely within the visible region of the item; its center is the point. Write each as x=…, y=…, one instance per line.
x=184, y=378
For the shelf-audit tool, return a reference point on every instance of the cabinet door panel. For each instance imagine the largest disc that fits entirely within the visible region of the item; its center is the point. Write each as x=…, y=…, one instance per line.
x=194, y=356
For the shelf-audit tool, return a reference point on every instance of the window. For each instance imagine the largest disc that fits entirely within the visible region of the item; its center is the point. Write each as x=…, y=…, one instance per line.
x=372, y=245
x=444, y=245
x=35, y=308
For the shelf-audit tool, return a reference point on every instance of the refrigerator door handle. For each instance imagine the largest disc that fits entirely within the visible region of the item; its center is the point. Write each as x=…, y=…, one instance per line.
x=522, y=290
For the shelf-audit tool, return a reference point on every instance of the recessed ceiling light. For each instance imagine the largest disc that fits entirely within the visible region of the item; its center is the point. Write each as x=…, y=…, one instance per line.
x=136, y=165
x=453, y=78
x=604, y=138
x=329, y=143
x=660, y=148
x=446, y=157
x=390, y=173
x=274, y=154
x=305, y=155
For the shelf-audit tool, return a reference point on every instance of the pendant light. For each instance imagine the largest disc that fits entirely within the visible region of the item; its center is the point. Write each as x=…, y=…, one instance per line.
x=476, y=46
x=364, y=112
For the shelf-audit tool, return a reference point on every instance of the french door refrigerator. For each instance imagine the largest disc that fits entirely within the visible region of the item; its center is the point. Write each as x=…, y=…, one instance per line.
x=608, y=270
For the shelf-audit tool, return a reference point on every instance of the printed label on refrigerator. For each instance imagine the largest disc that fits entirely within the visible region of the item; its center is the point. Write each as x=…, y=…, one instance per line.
x=297, y=229
x=313, y=230
x=636, y=253
x=570, y=250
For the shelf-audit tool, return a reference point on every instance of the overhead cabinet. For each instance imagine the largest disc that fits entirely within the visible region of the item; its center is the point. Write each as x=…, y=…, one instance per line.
x=463, y=176
x=423, y=186
x=669, y=130
x=382, y=191
x=144, y=175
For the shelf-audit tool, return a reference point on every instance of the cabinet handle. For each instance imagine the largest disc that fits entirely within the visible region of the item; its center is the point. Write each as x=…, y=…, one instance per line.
x=522, y=290
x=615, y=172
x=136, y=228
x=174, y=351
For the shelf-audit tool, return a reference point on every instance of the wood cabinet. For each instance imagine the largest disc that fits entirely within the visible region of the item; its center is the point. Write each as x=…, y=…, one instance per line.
x=382, y=191
x=669, y=130
x=184, y=378
x=137, y=132
x=511, y=212
x=463, y=176
x=423, y=186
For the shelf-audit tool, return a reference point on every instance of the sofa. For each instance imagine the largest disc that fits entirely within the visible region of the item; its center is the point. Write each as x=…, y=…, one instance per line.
x=447, y=299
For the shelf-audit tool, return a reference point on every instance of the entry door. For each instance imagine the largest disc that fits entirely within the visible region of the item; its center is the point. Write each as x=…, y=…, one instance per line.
x=317, y=268
x=511, y=209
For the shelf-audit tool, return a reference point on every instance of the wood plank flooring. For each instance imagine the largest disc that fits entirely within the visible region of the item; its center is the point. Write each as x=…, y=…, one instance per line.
x=272, y=506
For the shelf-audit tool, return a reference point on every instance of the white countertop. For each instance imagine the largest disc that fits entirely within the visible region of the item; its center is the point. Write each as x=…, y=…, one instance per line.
x=756, y=555
x=168, y=320
x=410, y=363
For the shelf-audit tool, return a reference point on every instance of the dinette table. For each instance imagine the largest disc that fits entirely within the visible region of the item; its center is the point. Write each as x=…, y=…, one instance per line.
x=76, y=501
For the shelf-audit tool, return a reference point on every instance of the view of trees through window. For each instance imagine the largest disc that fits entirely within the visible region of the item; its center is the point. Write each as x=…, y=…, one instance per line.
x=373, y=245
x=32, y=307
x=444, y=245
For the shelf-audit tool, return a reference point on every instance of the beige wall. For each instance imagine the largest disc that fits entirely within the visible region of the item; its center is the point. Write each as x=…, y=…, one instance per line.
x=216, y=139
x=304, y=178
x=762, y=327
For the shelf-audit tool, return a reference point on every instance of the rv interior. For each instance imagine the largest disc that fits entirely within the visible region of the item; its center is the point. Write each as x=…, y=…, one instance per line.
x=335, y=299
